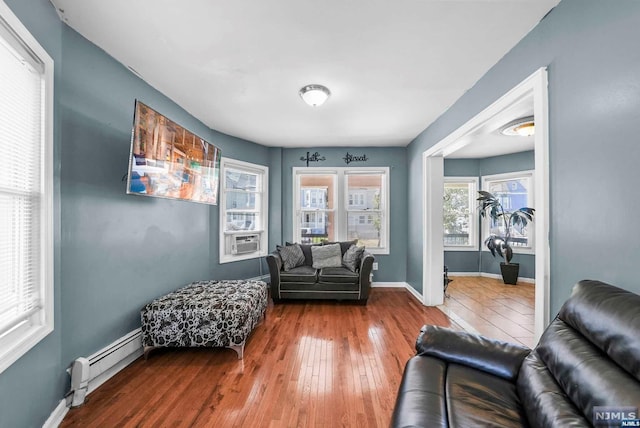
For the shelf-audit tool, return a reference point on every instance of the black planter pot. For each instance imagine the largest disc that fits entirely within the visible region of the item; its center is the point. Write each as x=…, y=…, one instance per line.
x=510, y=272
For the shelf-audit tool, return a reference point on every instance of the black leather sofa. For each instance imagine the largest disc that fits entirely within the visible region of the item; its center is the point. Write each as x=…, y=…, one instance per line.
x=306, y=282
x=584, y=371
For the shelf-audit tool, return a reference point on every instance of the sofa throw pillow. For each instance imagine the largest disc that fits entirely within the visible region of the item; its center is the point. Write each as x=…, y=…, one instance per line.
x=351, y=258
x=306, y=250
x=326, y=256
x=291, y=256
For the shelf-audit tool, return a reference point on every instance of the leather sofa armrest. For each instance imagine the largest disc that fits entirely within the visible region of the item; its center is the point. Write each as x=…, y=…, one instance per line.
x=275, y=266
x=366, y=265
x=492, y=356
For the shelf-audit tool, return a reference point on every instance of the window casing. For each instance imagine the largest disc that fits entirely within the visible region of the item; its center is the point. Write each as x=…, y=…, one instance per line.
x=460, y=217
x=515, y=191
x=243, y=210
x=26, y=190
x=351, y=203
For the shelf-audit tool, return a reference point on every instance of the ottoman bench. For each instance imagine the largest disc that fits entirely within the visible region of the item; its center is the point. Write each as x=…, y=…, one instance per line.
x=205, y=313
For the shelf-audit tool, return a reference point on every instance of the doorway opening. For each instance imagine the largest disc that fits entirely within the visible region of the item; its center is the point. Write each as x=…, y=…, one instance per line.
x=531, y=94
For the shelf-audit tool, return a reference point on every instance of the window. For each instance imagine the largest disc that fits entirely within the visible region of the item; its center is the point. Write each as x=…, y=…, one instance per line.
x=459, y=213
x=515, y=191
x=26, y=190
x=243, y=214
x=352, y=203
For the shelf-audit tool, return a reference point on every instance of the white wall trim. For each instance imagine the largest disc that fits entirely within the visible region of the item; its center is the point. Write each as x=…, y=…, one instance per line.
x=389, y=284
x=491, y=275
x=464, y=273
x=498, y=276
x=55, y=418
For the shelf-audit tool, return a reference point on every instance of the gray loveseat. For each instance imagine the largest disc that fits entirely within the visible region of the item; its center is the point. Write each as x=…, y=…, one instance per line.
x=308, y=282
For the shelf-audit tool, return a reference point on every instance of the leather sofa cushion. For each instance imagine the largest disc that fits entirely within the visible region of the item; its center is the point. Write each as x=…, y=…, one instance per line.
x=581, y=373
x=304, y=274
x=490, y=355
x=547, y=405
x=421, y=401
x=338, y=275
x=478, y=399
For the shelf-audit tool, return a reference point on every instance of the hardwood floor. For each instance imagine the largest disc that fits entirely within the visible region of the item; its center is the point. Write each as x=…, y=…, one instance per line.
x=309, y=364
x=491, y=308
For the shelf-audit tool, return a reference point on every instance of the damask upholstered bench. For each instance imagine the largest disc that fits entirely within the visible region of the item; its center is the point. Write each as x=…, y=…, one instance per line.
x=205, y=313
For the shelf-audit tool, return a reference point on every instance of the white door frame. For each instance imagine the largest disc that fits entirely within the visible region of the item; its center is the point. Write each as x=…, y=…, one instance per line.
x=433, y=181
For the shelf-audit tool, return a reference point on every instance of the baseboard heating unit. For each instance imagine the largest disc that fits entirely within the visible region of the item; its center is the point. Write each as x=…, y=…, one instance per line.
x=89, y=373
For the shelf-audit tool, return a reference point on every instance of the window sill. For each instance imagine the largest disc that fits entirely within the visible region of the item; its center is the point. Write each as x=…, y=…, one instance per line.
x=462, y=248
x=19, y=342
x=229, y=258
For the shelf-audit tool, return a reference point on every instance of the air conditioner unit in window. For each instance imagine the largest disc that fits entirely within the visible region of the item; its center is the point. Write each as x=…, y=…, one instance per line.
x=245, y=244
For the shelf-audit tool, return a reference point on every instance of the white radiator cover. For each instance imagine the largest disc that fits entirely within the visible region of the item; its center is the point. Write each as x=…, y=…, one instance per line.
x=103, y=365
x=111, y=359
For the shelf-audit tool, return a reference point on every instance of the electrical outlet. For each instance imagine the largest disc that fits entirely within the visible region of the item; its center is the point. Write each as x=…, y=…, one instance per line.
x=375, y=265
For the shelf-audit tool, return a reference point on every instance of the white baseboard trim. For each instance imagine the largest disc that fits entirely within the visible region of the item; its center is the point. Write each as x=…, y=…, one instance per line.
x=259, y=278
x=490, y=275
x=464, y=273
x=414, y=293
x=404, y=285
x=498, y=276
x=389, y=284
x=58, y=414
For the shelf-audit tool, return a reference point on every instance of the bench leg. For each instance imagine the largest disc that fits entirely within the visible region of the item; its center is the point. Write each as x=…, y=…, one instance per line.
x=147, y=350
x=239, y=350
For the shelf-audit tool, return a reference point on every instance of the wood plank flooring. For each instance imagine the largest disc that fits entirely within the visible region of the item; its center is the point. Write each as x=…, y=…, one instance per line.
x=309, y=364
x=492, y=308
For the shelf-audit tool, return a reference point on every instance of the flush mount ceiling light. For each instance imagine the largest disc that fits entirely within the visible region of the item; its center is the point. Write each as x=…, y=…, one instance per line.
x=523, y=127
x=314, y=95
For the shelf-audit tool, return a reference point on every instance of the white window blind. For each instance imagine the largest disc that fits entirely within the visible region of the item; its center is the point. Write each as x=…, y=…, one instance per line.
x=26, y=190
x=21, y=120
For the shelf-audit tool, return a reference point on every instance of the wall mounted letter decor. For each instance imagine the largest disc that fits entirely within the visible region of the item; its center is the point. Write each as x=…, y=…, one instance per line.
x=315, y=157
x=353, y=158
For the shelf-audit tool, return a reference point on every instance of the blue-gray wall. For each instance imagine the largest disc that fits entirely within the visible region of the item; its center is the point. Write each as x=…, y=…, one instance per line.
x=476, y=261
x=113, y=252
x=34, y=385
x=395, y=159
x=119, y=251
x=590, y=48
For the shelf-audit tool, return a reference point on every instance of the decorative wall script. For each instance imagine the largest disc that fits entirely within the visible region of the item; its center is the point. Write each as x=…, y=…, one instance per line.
x=314, y=157
x=353, y=158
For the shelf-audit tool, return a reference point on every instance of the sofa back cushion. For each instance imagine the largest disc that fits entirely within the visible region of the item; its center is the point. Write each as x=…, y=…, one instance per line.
x=306, y=250
x=589, y=356
x=326, y=256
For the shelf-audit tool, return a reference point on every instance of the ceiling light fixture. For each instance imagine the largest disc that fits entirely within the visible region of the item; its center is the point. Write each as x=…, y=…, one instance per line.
x=314, y=95
x=523, y=127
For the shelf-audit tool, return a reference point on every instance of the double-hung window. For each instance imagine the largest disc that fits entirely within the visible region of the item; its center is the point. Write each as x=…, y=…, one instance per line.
x=459, y=214
x=26, y=190
x=244, y=199
x=339, y=204
x=515, y=190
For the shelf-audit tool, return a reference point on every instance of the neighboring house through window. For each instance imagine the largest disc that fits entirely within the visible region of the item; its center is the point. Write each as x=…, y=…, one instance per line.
x=515, y=190
x=243, y=210
x=352, y=203
x=459, y=214
x=26, y=190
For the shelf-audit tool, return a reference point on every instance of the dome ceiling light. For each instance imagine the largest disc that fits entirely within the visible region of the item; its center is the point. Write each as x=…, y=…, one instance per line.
x=314, y=95
x=523, y=127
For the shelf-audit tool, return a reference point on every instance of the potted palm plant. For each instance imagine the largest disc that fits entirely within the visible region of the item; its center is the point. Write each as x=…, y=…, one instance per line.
x=491, y=206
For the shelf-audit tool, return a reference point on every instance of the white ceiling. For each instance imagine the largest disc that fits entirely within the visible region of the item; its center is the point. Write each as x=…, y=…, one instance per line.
x=393, y=67
x=487, y=140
